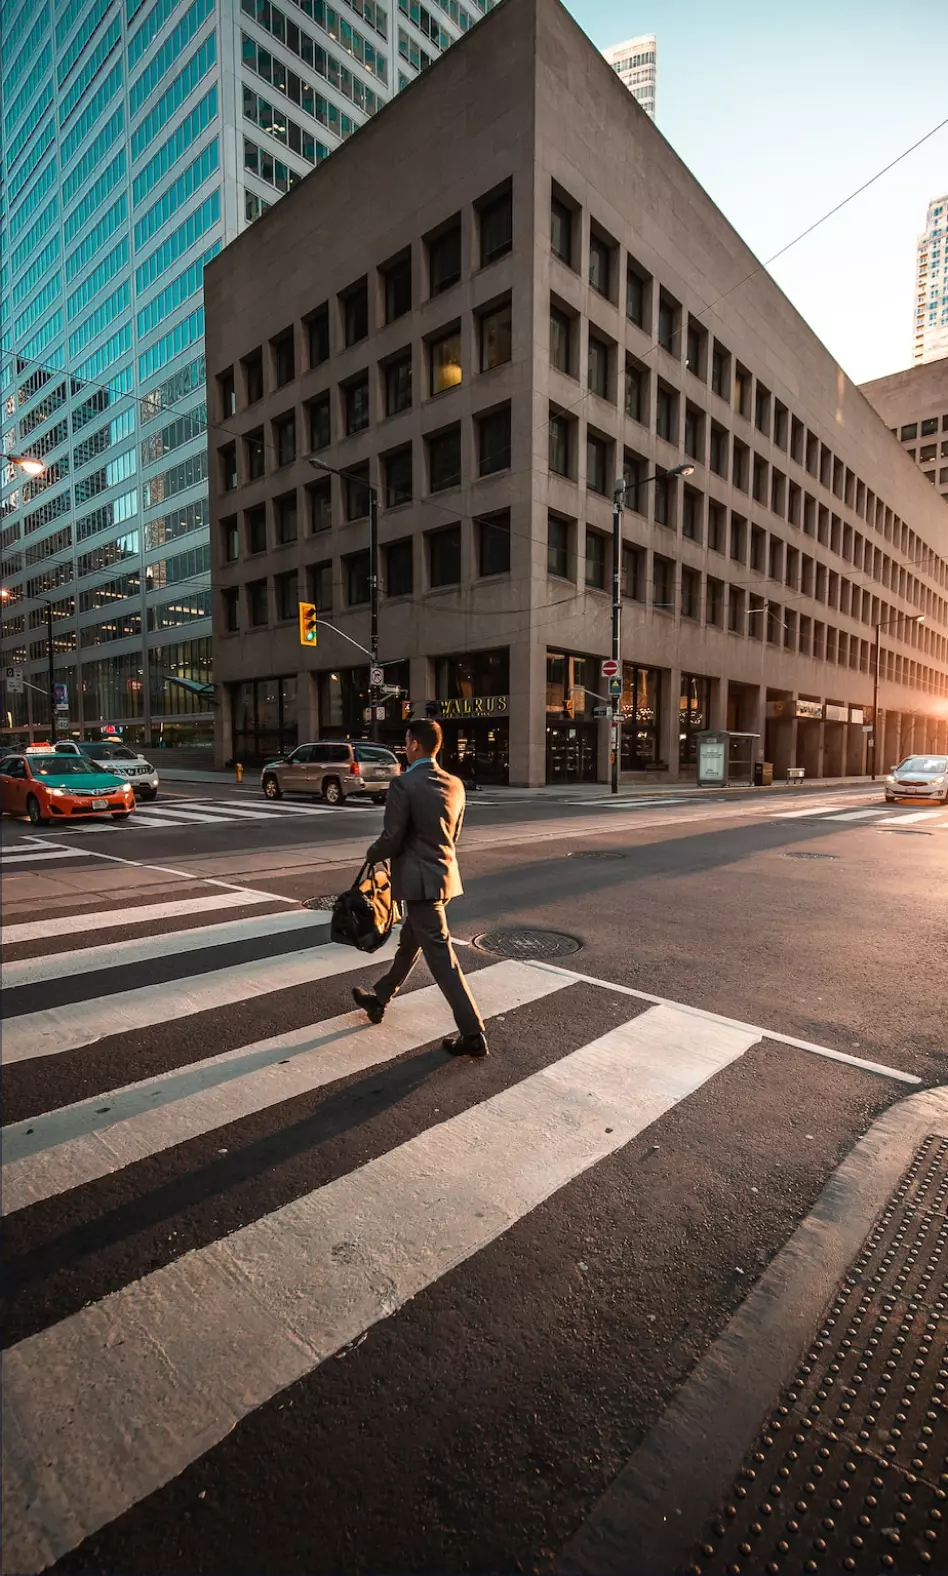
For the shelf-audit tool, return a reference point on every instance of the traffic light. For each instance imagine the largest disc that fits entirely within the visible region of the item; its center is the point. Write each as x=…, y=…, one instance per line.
x=307, y=623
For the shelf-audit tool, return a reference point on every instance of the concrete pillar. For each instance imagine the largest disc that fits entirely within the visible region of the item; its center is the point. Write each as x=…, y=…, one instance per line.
x=834, y=749
x=718, y=716
x=223, y=728
x=669, y=719
x=528, y=724
x=418, y=685
x=855, y=750
x=307, y=706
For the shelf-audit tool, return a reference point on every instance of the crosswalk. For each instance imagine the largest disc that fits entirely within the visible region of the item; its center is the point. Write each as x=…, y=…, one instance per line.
x=892, y=815
x=148, y=1048
x=189, y=813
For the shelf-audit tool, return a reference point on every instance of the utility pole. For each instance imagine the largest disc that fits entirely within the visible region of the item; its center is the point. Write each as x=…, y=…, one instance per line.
x=618, y=499
x=374, y=607
x=875, y=703
x=49, y=658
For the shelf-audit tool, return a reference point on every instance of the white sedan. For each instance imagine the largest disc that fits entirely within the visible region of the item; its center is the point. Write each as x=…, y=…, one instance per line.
x=918, y=777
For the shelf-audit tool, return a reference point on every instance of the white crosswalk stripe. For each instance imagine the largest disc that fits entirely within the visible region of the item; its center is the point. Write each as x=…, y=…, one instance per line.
x=104, y=1405
x=184, y=813
x=875, y=815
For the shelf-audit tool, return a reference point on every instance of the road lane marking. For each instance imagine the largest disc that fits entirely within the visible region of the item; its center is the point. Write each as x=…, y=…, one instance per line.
x=859, y=815
x=47, y=853
x=110, y=918
x=69, y=1147
x=916, y=815
x=759, y=1032
x=194, y=1347
x=123, y=954
x=54, y=1030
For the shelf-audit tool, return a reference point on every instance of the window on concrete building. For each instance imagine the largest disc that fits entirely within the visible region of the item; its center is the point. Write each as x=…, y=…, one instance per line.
x=355, y=569
x=561, y=457
x=496, y=227
x=398, y=384
x=396, y=279
x=444, y=259
x=597, y=463
x=320, y=586
x=397, y=469
x=356, y=399
x=595, y=560
x=493, y=441
x=287, y=595
x=493, y=543
x=561, y=231
x=284, y=360
x=559, y=542
x=230, y=603
x=226, y=394
x=598, y=366
x=444, y=361
x=495, y=337
x=690, y=592
x=634, y=580
x=399, y=568
x=600, y=265
x=444, y=459
x=320, y=506
x=252, y=367
x=635, y=393
x=355, y=312
x=255, y=529
x=287, y=519
x=284, y=438
x=561, y=326
x=317, y=332
x=636, y=294
x=669, y=322
x=696, y=344
x=227, y=458
x=444, y=556
x=320, y=426
x=720, y=371
x=714, y=602
x=663, y=583
x=257, y=613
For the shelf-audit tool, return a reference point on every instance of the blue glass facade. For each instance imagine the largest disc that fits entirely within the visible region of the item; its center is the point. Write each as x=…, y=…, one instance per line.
x=136, y=140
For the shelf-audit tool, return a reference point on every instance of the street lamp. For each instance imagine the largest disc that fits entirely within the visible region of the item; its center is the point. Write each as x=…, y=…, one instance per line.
x=618, y=501
x=886, y=623
x=27, y=463
x=373, y=583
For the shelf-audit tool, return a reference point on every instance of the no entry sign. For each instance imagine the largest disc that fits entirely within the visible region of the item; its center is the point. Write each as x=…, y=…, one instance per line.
x=610, y=668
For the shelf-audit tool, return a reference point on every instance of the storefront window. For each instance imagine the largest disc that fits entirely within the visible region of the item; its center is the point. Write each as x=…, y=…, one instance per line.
x=264, y=718
x=694, y=711
x=641, y=730
x=473, y=695
x=475, y=673
x=344, y=700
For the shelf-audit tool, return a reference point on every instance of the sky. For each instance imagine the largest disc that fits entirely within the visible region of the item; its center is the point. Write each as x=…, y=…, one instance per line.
x=781, y=111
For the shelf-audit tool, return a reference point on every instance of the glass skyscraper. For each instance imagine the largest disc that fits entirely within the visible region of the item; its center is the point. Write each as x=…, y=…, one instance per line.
x=138, y=137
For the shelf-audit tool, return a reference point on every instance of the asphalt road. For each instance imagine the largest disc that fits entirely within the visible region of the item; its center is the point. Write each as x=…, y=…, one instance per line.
x=291, y=1293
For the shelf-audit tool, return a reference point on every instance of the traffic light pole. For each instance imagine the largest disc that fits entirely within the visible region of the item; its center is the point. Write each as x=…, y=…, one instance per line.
x=374, y=608
x=52, y=686
x=618, y=498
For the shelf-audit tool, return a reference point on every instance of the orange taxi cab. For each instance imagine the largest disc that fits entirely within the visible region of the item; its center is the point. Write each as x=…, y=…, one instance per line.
x=49, y=787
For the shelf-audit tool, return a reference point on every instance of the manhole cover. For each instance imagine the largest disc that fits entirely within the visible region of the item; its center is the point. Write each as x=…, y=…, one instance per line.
x=597, y=853
x=320, y=902
x=526, y=944
x=801, y=853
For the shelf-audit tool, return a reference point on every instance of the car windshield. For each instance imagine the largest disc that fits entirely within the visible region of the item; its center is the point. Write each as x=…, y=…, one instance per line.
x=925, y=764
x=62, y=765
x=110, y=752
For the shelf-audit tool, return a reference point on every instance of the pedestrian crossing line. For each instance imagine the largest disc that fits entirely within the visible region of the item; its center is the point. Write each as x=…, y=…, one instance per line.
x=111, y=918
x=859, y=815
x=69, y=1147
x=915, y=815
x=54, y=1030
x=118, y=954
x=713, y=1017
x=46, y=853
x=191, y=1349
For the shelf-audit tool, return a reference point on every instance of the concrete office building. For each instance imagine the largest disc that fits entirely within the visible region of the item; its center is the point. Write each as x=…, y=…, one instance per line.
x=137, y=138
x=487, y=307
x=914, y=406
x=635, y=63
x=931, y=285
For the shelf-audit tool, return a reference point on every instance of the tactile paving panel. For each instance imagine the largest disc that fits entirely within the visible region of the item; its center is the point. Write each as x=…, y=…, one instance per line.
x=849, y=1470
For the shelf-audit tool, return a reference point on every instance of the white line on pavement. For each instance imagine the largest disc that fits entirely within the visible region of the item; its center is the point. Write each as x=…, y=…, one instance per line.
x=194, y=1347
x=108, y=919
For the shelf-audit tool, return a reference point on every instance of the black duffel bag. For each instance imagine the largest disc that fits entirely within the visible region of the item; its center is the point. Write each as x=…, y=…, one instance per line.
x=363, y=917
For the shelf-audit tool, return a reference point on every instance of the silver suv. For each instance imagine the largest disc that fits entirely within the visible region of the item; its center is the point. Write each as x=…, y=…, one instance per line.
x=336, y=770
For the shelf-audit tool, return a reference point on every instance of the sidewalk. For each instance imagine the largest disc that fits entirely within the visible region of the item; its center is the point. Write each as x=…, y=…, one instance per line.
x=813, y=1435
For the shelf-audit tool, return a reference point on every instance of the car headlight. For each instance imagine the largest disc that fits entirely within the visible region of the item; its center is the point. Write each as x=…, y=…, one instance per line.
x=938, y=782
x=890, y=782
x=59, y=792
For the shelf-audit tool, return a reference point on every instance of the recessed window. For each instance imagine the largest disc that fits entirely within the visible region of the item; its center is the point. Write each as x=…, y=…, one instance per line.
x=634, y=572
x=284, y=360
x=444, y=556
x=398, y=478
x=695, y=342
x=356, y=492
x=444, y=359
x=595, y=560
x=720, y=371
x=561, y=231
x=320, y=505
x=560, y=446
x=355, y=311
x=496, y=228
x=231, y=605
x=635, y=393
x=597, y=463
x=600, y=257
x=397, y=279
x=320, y=586
x=666, y=413
x=558, y=543
x=690, y=593
x=287, y=594
x=910, y=430
x=493, y=544
x=444, y=260
x=444, y=459
x=714, y=602
x=230, y=540
x=287, y=518
x=252, y=367
x=495, y=329
x=694, y=433
x=598, y=366
x=399, y=568
x=561, y=327
x=398, y=385
x=320, y=433
x=663, y=584
x=227, y=457
x=317, y=329
x=691, y=515
x=929, y=426
x=355, y=570
x=257, y=603
x=227, y=394
x=254, y=452
x=636, y=295
x=668, y=317
x=356, y=397
x=284, y=438
x=493, y=441
x=255, y=529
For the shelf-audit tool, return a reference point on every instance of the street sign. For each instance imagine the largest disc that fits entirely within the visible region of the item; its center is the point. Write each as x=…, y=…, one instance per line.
x=13, y=679
x=376, y=677
x=380, y=713
x=610, y=668
x=615, y=687
x=61, y=697
x=867, y=727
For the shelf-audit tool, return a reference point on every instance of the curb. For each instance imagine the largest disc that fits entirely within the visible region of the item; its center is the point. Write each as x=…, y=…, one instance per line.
x=652, y=1515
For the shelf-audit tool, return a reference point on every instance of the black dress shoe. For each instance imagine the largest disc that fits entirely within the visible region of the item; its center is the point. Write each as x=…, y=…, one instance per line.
x=465, y=1045
x=369, y=1002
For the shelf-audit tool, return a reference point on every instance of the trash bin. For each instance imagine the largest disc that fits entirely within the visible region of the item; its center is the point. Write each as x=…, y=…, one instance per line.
x=763, y=774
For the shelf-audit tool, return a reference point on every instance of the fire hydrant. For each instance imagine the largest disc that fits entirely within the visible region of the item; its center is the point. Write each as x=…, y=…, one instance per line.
x=238, y=771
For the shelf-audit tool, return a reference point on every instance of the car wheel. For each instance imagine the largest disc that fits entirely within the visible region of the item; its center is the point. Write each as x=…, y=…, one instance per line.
x=121, y=815
x=271, y=787
x=378, y=798
x=37, y=818
x=147, y=798
x=332, y=791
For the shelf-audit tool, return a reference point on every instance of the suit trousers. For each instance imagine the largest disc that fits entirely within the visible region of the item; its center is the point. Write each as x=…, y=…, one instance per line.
x=425, y=932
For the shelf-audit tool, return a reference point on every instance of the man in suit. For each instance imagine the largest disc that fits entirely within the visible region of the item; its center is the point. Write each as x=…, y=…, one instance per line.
x=423, y=815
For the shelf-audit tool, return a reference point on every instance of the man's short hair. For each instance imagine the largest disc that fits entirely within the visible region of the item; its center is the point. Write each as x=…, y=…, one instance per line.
x=426, y=732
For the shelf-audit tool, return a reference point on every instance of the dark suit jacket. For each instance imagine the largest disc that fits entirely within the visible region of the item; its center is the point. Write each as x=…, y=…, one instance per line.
x=424, y=811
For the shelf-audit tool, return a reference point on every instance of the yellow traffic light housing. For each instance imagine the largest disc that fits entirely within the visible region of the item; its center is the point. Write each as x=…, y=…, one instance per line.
x=307, y=623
